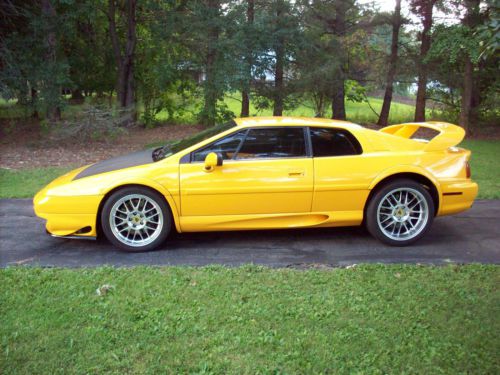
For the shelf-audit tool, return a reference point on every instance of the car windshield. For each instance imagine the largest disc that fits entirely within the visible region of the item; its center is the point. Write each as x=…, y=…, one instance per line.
x=176, y=146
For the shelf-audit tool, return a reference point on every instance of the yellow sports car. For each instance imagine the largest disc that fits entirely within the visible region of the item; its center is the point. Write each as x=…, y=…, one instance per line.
x=267, y=173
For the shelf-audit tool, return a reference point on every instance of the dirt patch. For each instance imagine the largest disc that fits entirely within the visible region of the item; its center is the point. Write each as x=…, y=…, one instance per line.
x=26, y=147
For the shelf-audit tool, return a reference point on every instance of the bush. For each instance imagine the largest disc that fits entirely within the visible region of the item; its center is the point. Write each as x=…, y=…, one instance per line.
x=92, y=123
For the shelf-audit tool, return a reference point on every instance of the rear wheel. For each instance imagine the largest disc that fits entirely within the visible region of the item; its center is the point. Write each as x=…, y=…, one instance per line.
x=400, y=213
x=136, y=219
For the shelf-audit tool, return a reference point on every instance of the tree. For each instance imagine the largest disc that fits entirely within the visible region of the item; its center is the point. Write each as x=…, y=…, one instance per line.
x=423, y=8
x=279, y=52
x=212, y=91
x=84, y=41
x=245, y=92
x=471, y=20
x=489, y=31
x=464, y=78
x=124, y=55
x=339, y=27
x=49, y=15
x=393, y=60
x=34, y=68
x=278, y=33
x=207, y=26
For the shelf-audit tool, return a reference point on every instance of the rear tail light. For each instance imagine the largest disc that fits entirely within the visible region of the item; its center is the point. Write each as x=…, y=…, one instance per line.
x=467, y=169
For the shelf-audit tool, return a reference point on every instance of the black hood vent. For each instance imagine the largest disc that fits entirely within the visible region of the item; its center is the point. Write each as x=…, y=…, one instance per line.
x=121, y=162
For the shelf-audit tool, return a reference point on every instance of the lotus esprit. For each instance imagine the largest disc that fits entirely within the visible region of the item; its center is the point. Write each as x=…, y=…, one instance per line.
x=267, y=173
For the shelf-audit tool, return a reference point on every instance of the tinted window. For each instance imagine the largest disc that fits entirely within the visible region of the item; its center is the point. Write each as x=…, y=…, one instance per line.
x=273, y=143
x=226, y=146
x=333, y=142
x=174, y=147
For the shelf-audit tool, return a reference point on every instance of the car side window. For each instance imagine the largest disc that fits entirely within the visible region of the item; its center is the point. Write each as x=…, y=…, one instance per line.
x=226, y=146
x=333, y=142
x=265, y=143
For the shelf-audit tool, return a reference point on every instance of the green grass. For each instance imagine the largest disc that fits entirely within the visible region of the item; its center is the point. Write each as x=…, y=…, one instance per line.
x=484, y=166
x=370, y=319
x=356, y=112
x=24, y=183
x=10, y=110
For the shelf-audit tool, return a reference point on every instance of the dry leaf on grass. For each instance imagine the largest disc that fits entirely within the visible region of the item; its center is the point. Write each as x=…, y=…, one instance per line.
x=104, y=289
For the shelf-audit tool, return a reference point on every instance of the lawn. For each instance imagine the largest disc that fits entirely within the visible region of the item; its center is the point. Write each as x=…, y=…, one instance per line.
x=484, y=166
x=25, y=183
x=356, y=112
x=368, y=319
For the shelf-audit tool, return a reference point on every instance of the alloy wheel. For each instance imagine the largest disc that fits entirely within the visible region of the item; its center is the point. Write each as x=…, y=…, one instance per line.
x=402, y=214
x=136, y=220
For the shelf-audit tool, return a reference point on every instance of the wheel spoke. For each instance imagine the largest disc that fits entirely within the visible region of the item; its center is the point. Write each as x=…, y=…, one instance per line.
x=389, y=217
x=416, y=204
x=393, y=197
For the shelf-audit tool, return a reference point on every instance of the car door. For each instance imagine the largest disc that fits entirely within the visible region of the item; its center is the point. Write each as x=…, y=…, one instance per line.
x=341, y=179
x=265, y=171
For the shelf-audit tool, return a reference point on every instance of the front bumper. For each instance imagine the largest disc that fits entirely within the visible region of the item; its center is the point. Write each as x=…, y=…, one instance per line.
x=67, y=215
x=457, y=197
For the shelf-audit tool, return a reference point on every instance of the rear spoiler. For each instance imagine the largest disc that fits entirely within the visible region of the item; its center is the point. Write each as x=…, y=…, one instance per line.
x=449, y=134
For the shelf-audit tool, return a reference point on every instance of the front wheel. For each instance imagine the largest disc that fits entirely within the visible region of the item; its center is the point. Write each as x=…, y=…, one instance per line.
x=400, y=213
x=136, y=219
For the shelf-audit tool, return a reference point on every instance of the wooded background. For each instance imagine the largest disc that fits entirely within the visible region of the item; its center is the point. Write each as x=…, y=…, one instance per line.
x=151, y=56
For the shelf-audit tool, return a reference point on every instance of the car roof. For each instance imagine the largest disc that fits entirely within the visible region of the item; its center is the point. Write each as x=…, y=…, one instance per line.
x=294, y=121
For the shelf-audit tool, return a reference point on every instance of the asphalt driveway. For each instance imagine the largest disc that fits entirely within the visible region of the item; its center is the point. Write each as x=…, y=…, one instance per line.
x=473, y=236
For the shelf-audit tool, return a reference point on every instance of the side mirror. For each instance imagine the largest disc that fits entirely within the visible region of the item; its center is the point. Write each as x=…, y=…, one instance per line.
x=212, y=160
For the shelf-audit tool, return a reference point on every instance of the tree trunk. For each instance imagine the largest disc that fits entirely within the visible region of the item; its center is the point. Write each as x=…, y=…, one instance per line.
x=338, y=89
x=53, y=91
x=211, y=91
x=279, y=68
x=319, y=104
x=125, y=87
x=278, y=79
x=393, y=61
x=34, y=95
x=338, y=100
x=470, y=20
x=77, y=96
x=245, y=103
x=422, y=66
x=465, y=108
x=245, y=93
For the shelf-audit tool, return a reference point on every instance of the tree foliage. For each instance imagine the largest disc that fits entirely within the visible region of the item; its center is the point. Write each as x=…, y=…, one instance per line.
x=180, y=56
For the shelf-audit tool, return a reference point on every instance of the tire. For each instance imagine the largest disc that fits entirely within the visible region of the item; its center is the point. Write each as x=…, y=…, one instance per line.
x=400, y=213
x=136, y=219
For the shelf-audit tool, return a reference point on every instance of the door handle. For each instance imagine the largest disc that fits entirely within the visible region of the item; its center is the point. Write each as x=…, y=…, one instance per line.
x=296, y=173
